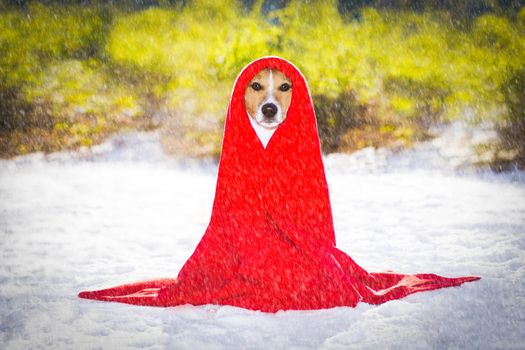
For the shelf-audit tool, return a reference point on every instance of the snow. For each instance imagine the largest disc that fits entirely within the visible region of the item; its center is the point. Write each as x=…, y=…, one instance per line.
x=123, y=212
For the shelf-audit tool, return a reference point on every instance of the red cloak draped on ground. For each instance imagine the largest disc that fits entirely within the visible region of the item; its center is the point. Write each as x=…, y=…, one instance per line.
x=270, y=244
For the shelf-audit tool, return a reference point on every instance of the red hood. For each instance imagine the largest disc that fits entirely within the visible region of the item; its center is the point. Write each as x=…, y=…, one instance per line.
x=286, y=179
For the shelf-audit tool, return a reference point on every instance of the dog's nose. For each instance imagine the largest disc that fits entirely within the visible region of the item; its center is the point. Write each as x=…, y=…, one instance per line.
x=269, y=110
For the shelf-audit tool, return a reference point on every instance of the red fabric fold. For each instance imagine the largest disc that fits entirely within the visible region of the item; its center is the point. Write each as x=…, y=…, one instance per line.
x=270, y=244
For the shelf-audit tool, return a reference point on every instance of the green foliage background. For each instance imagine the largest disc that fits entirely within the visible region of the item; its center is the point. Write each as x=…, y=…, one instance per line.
x=72, y=74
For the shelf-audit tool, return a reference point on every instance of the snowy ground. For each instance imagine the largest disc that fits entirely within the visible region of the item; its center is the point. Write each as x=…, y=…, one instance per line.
x=123, y=213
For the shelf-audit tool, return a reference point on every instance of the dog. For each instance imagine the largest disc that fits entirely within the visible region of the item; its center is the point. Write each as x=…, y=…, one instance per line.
x=267, y=99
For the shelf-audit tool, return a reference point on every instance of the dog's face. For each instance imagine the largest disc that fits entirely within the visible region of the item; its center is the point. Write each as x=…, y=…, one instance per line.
x=267, y=98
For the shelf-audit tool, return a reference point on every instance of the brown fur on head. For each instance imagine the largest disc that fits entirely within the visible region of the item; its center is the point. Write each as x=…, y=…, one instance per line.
x=267, y=98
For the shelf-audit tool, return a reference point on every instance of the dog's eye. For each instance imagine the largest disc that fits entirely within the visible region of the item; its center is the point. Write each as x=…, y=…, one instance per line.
x=256, y=86
x=285, y=87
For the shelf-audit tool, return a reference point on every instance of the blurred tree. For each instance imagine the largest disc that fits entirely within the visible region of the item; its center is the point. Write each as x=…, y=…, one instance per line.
x=127, y=4
x=467, y=9
x=335, y=116
x=512, y=130
x=72, y=71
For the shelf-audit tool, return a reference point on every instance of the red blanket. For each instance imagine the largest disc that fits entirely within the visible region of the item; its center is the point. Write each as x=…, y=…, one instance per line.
x=270, y=244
